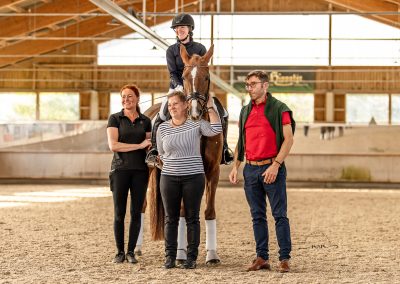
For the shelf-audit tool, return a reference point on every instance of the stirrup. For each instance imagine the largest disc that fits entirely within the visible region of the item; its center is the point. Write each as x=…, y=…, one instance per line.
x=155, y=164
x=152, y=160
x=228, y=156
x=150, y=157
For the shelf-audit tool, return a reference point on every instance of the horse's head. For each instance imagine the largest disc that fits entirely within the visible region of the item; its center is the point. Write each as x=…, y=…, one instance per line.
x=196, y=81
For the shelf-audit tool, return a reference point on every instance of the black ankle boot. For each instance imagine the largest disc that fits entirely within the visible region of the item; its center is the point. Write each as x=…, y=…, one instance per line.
x=189, y=264
x=130, y=257
x=169, y=262
x=119, y=257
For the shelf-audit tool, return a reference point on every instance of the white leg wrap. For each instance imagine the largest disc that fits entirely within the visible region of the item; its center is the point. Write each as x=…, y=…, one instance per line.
x=211, y=235
x=140, y=238
x=182, y=240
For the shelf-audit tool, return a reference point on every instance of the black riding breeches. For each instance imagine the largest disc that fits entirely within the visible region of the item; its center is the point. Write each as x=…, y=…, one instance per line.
x=121, y=181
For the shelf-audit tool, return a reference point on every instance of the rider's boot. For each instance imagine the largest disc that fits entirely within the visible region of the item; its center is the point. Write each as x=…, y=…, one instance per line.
x=227, y=154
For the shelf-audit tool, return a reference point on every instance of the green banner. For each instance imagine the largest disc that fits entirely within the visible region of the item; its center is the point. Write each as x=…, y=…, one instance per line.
x=280, y=89
x=283, y=79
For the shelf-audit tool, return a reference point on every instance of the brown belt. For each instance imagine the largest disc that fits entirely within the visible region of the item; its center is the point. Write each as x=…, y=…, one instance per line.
x=261, y=162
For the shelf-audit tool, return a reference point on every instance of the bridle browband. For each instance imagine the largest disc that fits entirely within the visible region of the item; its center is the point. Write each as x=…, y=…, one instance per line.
x=197, y=96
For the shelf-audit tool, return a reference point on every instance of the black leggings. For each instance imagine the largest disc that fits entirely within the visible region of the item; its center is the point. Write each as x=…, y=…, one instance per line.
x=190, y=188
x=120, y=183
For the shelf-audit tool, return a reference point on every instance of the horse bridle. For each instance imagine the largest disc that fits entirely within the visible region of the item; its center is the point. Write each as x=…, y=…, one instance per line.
x=197, y=96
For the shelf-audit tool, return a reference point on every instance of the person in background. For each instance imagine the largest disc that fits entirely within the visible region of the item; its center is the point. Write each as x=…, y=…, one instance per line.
x=128, y=134
x=182, y=175
x=266, y=128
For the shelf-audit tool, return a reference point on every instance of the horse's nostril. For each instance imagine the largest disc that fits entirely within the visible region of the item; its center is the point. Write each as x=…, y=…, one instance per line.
x=195, y=117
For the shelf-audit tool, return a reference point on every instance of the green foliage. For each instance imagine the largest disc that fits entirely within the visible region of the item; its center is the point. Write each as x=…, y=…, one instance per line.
x=24, y=111
x=59, y=107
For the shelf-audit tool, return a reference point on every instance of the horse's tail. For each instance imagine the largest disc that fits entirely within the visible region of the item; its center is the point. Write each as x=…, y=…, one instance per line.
x=156, y=206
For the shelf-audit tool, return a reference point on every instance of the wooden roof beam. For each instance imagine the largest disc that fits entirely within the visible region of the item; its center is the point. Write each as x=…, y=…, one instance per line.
x=17, y=9
x=87, y=28
x=363, y=6
x=393, y=1
x=92, y=27
x=21, y=26
x=24, y=25
x=17, y=26
x=10, y=3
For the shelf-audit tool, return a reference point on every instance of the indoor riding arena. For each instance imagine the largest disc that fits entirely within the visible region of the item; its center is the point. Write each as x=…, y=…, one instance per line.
x=335, y=64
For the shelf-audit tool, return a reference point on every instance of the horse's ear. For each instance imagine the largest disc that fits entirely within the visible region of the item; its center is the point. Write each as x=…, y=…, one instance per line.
x=209, y=54
x=184, y=55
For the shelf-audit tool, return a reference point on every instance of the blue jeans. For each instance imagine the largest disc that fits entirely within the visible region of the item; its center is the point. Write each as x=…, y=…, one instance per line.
x=256, y=191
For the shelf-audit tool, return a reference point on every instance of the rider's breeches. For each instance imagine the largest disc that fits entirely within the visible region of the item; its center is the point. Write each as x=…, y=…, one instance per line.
x=155, y=126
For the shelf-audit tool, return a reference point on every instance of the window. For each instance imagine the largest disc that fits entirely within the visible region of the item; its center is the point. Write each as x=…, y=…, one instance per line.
x=17, y=106
x=361, y=41
x=238, y=40
x=235, y=105
x=279, y=40
x=362, y=108
x=59, y=106
x=301, y=104
x=116, y=106
x=396, y=109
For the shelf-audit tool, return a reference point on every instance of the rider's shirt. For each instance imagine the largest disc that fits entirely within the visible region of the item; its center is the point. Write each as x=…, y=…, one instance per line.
x=175, y=63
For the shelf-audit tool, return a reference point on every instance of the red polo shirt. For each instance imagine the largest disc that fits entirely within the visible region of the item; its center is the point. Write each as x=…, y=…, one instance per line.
x=260, y=136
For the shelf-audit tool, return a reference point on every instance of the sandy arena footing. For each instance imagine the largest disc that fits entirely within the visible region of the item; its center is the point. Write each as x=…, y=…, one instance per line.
x=63, y=234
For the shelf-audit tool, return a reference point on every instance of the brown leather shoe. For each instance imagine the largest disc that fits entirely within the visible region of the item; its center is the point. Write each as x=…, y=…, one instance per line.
x=284, y=266
x=259, y=263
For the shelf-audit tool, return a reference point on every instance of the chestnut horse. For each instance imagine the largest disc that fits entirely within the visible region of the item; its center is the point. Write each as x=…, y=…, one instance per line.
x=196, y=88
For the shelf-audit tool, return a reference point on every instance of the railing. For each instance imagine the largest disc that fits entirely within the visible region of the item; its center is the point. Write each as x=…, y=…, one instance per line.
x=61, y=136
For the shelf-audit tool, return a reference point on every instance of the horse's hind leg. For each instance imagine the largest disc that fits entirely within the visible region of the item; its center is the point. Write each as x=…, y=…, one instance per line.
x=212, y=257
x=181, y=253
x=139, y=242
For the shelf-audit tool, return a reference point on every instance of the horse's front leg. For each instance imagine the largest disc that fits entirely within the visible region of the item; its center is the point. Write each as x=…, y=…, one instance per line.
x=212, y=257
x=181, y=254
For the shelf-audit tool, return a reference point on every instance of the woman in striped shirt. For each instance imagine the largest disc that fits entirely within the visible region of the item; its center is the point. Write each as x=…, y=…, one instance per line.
x=182, y=176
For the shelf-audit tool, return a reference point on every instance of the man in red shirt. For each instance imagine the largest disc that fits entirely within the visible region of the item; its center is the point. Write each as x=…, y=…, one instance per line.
x=266, y=128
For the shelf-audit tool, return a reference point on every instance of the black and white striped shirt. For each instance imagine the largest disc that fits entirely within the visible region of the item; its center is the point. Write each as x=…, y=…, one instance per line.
x=179, y=147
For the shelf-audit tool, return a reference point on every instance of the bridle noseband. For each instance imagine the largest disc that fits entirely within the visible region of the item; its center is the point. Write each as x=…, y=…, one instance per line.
x=197, y=96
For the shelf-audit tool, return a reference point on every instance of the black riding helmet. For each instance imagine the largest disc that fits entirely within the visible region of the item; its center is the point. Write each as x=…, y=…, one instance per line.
x=183, y=20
